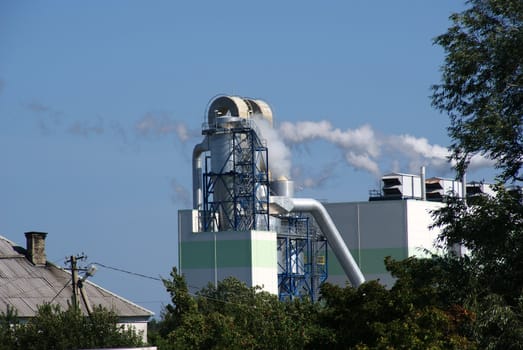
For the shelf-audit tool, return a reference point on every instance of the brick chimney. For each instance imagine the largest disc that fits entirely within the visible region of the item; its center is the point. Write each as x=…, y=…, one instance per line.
x=36, y=247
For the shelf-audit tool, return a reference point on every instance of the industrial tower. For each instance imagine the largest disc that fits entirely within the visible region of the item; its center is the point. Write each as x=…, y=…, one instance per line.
x=247, y=224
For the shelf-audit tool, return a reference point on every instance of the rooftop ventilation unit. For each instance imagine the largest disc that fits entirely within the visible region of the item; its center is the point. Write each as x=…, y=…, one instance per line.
x=475, y=188
x=438, y=188
x=401, y=186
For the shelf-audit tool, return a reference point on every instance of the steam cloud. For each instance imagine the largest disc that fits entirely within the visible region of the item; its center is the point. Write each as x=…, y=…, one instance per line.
x=162, y=125
x=85, y=129
x=279, y=153
x=151, y=125
x=362, y=149
x=180, y=194
x=360, y=146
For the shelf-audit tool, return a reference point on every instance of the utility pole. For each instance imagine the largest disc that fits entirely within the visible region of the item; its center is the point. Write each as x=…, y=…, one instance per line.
x=74, y=275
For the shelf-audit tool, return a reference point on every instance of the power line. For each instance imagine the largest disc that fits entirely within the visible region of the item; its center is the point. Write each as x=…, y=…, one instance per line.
x=57, y=294
x=193, y=294
x=128, y=272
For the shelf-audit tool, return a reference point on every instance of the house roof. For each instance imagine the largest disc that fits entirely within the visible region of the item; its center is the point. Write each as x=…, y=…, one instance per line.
x=24, y=286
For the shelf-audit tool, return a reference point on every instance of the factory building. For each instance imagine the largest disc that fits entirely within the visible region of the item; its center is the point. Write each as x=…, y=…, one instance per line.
x=247, y=223
x=374, y=230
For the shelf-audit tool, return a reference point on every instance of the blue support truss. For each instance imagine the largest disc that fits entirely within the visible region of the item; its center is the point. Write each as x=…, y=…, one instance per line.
x=245, y=205
x=302, y=263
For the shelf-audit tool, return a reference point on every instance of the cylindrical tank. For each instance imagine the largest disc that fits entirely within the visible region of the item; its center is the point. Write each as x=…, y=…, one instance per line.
x=224, y=115
x=221, y=147
x=282, y=187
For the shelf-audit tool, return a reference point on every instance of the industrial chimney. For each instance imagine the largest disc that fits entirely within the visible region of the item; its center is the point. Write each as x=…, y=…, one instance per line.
x=36, y=247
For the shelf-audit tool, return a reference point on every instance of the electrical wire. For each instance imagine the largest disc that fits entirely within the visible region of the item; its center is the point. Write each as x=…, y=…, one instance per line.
x=127, y=272
x=57, y=294
x=194, y=294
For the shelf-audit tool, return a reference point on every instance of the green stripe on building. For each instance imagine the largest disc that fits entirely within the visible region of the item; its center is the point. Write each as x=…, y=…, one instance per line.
x=229, y=253
x=264, y=254
x=371, y=261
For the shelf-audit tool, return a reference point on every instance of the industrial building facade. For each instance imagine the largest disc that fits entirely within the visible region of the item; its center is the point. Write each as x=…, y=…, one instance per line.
x=372, y=231
x=376, y=229
x=246, y=222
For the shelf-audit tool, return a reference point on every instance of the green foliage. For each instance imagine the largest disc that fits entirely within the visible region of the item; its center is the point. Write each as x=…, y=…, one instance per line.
x=372, y=317
x=492, y=276
x=492, y=229
x=498, y=325
x=8, y=327
x=482, y=91
x=182, y=303
x=446, y=302
x=233, y=316
x=482, y=84
x=53, y=328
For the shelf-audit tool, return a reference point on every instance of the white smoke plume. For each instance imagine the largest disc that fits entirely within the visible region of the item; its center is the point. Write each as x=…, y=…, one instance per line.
x=279, y=153
x=360, y=146
x=418, y=151
x=480, y=162
x=154, y=124
x=363, y=149
x=180, y=194
x=308, y=178
x=48, y=119
x=85, y=129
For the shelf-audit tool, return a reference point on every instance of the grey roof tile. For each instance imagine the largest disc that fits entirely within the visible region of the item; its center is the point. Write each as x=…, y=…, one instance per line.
x=25, y=286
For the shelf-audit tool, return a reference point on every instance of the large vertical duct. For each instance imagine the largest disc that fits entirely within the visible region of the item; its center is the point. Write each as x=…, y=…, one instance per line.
x=329, y=229
x=197, y=172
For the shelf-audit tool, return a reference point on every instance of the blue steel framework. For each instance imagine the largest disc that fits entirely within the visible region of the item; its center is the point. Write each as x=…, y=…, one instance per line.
x=304, y=265
x=247, y=200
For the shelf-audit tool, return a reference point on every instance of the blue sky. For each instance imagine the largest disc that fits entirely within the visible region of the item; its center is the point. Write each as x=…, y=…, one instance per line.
x=101, y=103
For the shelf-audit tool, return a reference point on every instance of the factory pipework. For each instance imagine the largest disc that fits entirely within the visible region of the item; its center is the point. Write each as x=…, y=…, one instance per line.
x=423, y=189
x=327, y=226
x=225, y=151
x=232, y=171
x=197, y=172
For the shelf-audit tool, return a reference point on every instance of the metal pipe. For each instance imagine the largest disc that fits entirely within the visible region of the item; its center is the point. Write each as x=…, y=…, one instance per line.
x=197, y=172
x=423, y=188
x=327, y=226
x=464, y=188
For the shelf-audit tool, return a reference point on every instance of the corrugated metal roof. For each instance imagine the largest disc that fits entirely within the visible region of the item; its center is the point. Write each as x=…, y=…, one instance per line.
x=25, y=286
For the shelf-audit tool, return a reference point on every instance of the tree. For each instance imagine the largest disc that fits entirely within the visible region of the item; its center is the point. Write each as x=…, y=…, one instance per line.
x=482, y=84
x=52, y=328
x=492, y=230
x=373, y=317
x=232, y=316
x=8, y=327
x=482, y=91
